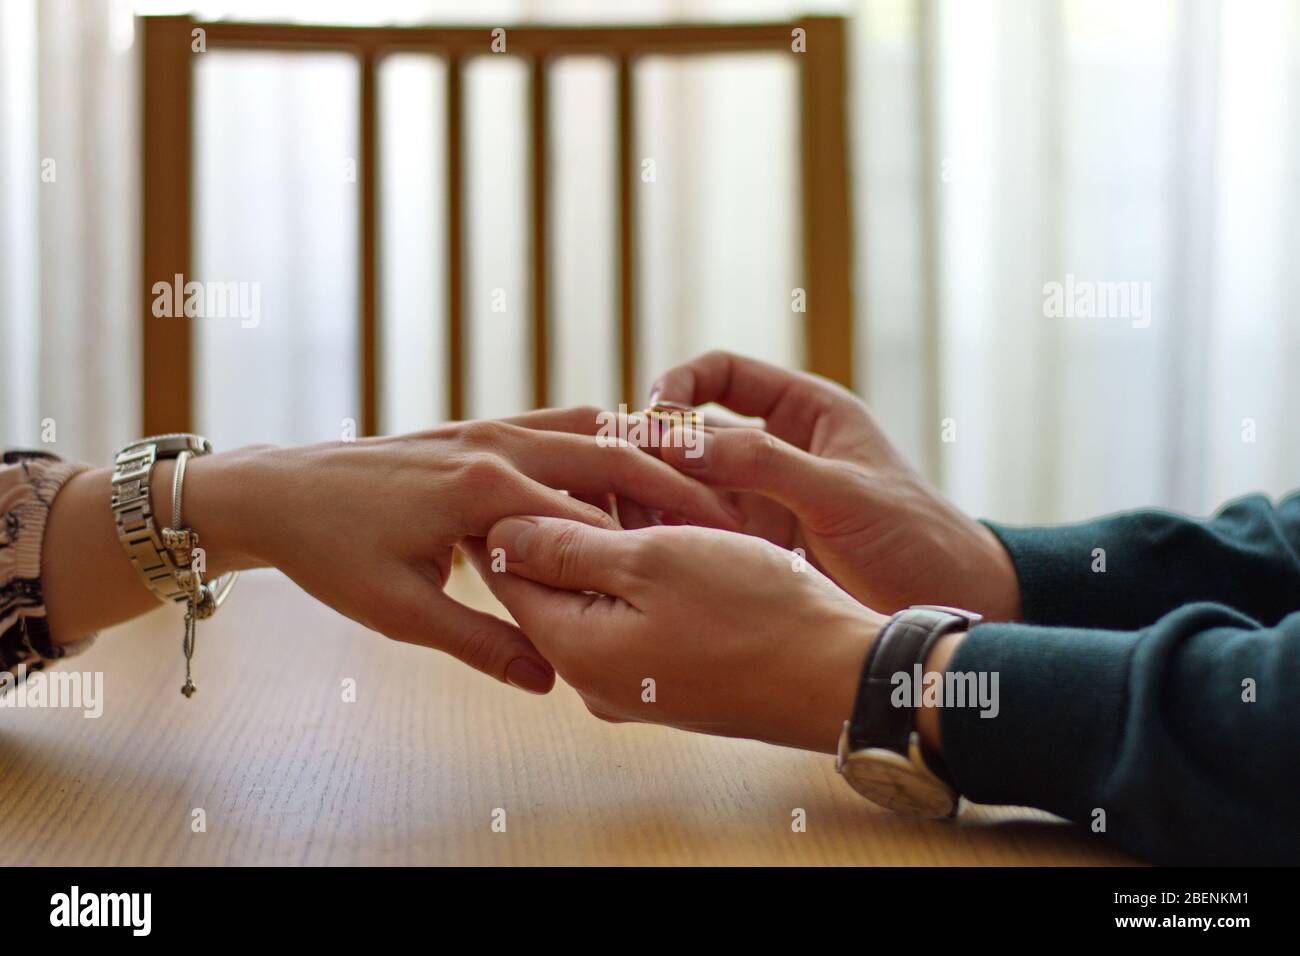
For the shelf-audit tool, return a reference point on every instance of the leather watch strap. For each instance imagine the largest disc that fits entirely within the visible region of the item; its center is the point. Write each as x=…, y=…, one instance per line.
x=904, y=642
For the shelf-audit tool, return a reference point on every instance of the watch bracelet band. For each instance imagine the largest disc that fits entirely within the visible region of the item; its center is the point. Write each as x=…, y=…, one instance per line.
x=137, y=527
x=904, y=641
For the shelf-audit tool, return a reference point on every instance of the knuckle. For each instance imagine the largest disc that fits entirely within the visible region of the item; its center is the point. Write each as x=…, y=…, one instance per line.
x=589, y=413
x=650, y=554
x=483, y=468
x=760, y=450
x=478, y=649
x=716, y=356
x=594, y=516
x=628, y=461
x=485, y=432
x=639, y=565
x=563, y=550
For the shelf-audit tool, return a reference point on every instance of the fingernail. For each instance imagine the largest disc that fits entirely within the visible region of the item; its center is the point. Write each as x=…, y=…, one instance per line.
x=513, y=534
x=526, y=674
x=655, y=390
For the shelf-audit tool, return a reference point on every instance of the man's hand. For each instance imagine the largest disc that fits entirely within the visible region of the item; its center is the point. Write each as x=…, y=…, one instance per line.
x=822, y=476
x=691, y=627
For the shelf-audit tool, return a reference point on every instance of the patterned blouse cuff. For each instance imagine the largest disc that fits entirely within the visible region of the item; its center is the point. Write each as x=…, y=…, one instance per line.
x=29, y=482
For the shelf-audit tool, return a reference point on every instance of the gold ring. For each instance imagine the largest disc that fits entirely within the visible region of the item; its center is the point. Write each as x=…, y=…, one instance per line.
x=672, y=413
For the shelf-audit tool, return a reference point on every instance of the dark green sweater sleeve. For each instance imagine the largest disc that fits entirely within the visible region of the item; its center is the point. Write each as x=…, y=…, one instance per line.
x=1246, y=557
x=1173, y=715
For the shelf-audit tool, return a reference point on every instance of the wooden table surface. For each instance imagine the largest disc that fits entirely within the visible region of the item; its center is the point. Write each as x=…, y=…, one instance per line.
x=415, y=770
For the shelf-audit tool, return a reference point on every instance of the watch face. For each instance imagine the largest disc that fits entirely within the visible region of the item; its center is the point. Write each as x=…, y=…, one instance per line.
x=890, y=780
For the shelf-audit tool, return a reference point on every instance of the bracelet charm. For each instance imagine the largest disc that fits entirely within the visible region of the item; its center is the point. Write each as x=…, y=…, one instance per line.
x=164, y=557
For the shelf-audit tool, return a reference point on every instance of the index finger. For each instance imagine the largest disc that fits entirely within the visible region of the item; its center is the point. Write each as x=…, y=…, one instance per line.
x=590, y=420
x=577, y=420
x=415, y=610
x=745, y=385
x=588, y=466
x=551, y=618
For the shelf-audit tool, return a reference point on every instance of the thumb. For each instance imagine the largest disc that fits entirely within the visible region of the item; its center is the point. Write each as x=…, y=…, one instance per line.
x=564, y=554
x=750, y=459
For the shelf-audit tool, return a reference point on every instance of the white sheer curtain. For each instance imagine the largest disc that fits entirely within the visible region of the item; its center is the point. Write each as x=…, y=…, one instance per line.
x=1155, y=142
x=69, y=344
x=999, y=146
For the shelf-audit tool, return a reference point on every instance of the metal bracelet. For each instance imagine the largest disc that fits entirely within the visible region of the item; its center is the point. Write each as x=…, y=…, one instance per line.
x=164, y=558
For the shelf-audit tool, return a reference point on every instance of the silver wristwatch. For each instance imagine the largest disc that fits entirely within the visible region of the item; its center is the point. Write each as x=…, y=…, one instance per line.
x=137, y=528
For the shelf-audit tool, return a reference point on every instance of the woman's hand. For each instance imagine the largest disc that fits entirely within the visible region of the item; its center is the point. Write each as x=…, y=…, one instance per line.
x=822, y=476
x=691, y=627
x=368, y=527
